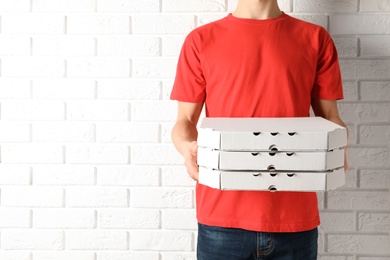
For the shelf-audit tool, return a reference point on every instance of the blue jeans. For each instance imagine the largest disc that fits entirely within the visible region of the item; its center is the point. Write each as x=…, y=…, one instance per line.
x=216, y=243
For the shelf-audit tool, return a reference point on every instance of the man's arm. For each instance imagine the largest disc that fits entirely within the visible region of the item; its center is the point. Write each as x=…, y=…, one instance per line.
x=185, y=134
x=328, y=110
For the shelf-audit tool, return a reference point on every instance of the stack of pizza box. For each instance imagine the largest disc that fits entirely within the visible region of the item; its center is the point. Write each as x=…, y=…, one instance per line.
x=275, y=154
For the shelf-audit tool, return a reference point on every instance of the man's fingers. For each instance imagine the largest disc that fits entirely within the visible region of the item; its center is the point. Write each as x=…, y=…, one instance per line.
x=192, y=169
x=194, y=148
x=345, y=160
x=190, y=160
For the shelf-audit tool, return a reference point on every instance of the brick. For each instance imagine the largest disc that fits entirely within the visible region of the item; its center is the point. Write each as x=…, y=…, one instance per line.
x=351, y=179
x=331, y=257
x=32, y=153
x=64, y=89
x=359, y=24
x=32, y=110
x=162, y=24
x=146, y=111
x=352, y=134
x=31, y=197
x=176, y=176
x=129, y=218
x=166, y=130
x=63, y=218
x=14, y=218
x=128, y=6
x=97, y=154
x=285, y=5
x=63, y=175
x=130, y=46
x=15, y=45
x=193, y=6
x=374, y=179
x=63, y=255
x=127, y=132
x=14, y=175
x=97, y=111
x=346, y=47
x=232, y=4
x=32, y=24
x=365, y=112
x=161, y=240
x=324, y=6
x=96, y=240
x=161, y=198
x=166, y=88
x=32, y=67
x=375, y=46
x=358, y=244
x=374, y=222
x=375, y=91
x=63, y=6
x=98, y=24
x=171, y=45
x=98, y=67
x=155, y=155
x=178, y=255
x=91, y=197
x=337, y=221
x=15, y=255
x=63, y=45
x=14, y=132
x=32, y=239
x=128, y=176
x=374, y=6
x=154, y=67
x=134, y=89
x=321, y=200
x=63, y=132
x=321, y=20
x=128, y=255
x=358, y=200
x=373, y=258
x=374, y=134
x=350, y=89
x=368, y=157
x=182, y=219
x=15, y=88
x=19, y=6
x=320, y=243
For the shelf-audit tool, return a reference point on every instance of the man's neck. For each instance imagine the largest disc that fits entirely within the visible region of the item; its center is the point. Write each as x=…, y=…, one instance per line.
x=257, y=9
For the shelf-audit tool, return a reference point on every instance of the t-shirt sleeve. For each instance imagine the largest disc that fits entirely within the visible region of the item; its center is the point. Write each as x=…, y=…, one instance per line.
x=328, y=82
x=189, y=84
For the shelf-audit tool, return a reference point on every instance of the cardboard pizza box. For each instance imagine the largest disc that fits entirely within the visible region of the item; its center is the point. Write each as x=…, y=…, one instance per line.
x=272, y=181
x=280, y=161
x=265, y=134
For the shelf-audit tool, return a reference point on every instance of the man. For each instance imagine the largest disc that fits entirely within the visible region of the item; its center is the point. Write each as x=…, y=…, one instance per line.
x=256, y=62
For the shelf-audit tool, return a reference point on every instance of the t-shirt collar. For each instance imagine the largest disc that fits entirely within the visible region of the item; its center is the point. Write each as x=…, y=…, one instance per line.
x=232, y=18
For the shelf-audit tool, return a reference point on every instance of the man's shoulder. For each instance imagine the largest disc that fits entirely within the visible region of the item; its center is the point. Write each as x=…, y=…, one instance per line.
x=210, y=26
x=307, y=29
x=298, y=21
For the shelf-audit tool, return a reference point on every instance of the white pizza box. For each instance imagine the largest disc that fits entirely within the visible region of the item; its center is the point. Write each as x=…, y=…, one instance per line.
x=280, y=161
x=264, y=134
x=272, y=181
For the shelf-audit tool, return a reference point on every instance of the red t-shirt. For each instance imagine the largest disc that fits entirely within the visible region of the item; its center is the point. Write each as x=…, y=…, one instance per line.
x=257, y=68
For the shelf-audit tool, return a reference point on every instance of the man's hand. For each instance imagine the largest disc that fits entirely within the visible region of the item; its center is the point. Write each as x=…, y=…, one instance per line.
x=345, y=160
x=185, y=134
x=328, y=110
x=190, y=160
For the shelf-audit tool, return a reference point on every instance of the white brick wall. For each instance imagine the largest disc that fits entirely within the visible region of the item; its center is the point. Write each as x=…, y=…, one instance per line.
x=87, y=168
